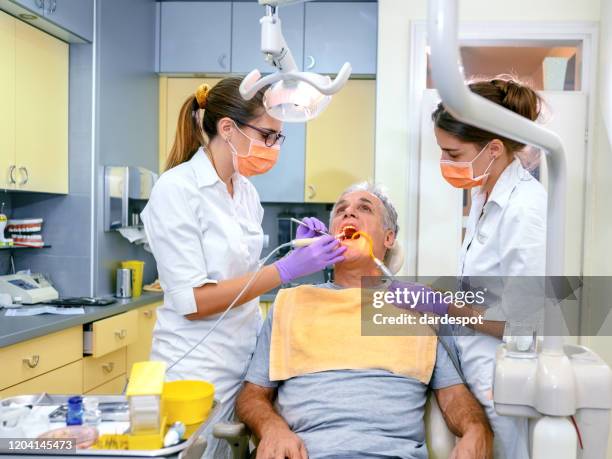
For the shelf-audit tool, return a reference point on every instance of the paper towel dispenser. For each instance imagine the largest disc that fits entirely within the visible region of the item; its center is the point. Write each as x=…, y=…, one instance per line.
x=126, y=192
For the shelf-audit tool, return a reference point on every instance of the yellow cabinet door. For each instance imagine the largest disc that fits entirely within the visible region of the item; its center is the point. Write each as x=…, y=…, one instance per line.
x=7, y=100
x=172, y=94
x=141, y=349
x=65, y=380
x=340, y=142
x=41, y=89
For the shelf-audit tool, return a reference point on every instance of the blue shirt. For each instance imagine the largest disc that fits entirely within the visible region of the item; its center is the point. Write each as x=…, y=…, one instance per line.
x=353, y=413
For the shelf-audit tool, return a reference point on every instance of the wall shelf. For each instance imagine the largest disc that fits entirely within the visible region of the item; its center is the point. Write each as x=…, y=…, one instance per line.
x=18, y=247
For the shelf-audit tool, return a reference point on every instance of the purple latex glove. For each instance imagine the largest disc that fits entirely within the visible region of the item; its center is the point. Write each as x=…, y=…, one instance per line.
x=301, y=262
x=418, y=297
x=314, y=225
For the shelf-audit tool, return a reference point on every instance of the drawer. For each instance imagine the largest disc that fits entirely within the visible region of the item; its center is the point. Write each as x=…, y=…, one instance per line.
x=110, y=334
x=65, y=380
x=97, y=371
x=112, y=387
x=141, y=349
x=28, y=359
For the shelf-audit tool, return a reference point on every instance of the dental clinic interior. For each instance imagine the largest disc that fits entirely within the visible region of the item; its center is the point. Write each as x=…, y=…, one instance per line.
x=98, y=241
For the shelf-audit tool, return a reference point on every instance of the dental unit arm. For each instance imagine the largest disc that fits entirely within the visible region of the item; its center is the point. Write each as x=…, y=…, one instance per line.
x=293, y=96
x=559, y=381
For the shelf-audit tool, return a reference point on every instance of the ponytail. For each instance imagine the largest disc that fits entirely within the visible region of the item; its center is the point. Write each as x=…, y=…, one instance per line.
x=188, y=137
x=200, y=113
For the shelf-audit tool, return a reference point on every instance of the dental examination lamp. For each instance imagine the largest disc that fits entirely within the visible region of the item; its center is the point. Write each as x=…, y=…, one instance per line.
x=293, y=96
x=560, y=382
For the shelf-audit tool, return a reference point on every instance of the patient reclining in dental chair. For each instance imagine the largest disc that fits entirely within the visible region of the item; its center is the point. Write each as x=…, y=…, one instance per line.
x=317, y=388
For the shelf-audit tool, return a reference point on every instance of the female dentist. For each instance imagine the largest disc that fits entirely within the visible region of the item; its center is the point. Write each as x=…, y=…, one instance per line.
x=203, y=224
x=505, y=234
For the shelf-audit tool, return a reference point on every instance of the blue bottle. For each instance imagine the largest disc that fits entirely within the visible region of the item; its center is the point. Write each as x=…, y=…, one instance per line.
x=74, y=416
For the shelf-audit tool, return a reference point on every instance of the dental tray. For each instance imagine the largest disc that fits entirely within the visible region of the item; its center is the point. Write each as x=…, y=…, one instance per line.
x=193, y=447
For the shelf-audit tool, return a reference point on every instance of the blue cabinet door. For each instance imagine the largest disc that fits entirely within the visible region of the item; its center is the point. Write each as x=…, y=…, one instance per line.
x=246, y=35
x=285, y=182
x=36, y=6
x=338, y=32
x=195, y=37
x=75, y=16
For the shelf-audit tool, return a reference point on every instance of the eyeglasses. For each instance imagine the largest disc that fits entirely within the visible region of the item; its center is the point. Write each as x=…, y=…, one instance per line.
x=271, y=137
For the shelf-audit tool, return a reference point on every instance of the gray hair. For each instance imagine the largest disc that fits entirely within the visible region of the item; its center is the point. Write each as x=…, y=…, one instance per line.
x=389, y=213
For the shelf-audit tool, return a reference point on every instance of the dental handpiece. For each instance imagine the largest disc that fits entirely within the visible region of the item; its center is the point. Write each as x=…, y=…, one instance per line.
x=300, y=222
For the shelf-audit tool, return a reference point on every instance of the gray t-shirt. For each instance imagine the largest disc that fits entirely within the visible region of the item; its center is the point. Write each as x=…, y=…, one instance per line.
x=353, y=413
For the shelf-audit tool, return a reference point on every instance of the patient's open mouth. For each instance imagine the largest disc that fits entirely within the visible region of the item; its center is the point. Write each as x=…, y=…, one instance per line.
x=347, y=232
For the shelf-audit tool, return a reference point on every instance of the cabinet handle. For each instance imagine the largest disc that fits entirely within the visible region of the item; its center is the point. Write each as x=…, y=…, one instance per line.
x=23, y=170
x=121, y=334
x=108, y=367
x=12, y=174
x=52, y=6
x=32, y=362
x=221, y=60
x=148, y=313
x=312, y=191
x=311, y=62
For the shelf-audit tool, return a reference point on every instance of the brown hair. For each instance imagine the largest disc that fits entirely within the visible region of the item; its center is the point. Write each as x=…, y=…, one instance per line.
x=194, y=130
x=507, y=92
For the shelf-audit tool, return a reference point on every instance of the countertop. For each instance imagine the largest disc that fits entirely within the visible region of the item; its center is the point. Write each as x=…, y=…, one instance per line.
x=16, y=329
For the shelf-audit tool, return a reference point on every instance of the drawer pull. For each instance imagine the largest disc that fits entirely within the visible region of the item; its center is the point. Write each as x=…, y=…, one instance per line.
x=32, y=362
x=108, y=367
x=148, y=313
x=121, y=334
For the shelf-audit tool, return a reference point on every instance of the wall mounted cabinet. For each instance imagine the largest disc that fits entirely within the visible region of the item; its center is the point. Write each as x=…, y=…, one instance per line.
x=216, y=37
x=34, y=128
x=340, y=32
x=7, y=96
x=70, y=20
x=195, y=37
x=340, y=143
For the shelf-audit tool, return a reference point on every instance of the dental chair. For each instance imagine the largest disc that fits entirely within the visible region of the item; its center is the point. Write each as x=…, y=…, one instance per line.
x=440, y=441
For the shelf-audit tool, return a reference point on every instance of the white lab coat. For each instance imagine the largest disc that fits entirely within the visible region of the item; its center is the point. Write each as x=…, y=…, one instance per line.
x=199, y=234
x=504, y=237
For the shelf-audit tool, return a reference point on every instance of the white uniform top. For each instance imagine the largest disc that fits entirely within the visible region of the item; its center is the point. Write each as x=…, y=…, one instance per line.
x=506, y=236
x=200, y=234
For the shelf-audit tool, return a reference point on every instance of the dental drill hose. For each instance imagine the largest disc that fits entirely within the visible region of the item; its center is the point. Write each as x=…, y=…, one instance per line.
x=295, y=243
x=231, y=305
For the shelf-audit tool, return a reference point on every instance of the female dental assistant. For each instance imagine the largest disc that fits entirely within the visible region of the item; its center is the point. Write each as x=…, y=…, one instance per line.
x=203, y=223
x=505, y=233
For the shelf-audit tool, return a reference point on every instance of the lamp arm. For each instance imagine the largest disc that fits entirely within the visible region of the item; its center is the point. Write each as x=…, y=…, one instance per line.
x=252, y=83
x=327, y=89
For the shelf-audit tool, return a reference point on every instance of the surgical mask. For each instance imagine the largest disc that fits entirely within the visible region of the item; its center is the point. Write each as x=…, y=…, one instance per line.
x=259, y=158
x=460, y=174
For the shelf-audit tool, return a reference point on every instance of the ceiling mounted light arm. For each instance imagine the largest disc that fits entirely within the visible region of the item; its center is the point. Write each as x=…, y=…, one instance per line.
x=293, y=96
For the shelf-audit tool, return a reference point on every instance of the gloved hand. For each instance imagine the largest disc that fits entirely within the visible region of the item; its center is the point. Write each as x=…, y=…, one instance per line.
x=314, y=224
x=301, y=262
x=418, y=297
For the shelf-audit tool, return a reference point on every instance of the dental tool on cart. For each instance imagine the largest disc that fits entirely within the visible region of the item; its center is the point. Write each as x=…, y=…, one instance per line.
x=566, y=389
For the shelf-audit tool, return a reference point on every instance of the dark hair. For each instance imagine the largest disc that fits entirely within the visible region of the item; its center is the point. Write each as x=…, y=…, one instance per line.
x=222, y=100
x=507, y=92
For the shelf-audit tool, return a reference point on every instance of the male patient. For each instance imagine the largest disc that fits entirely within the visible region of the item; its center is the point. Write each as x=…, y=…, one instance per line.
x=316, y=388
